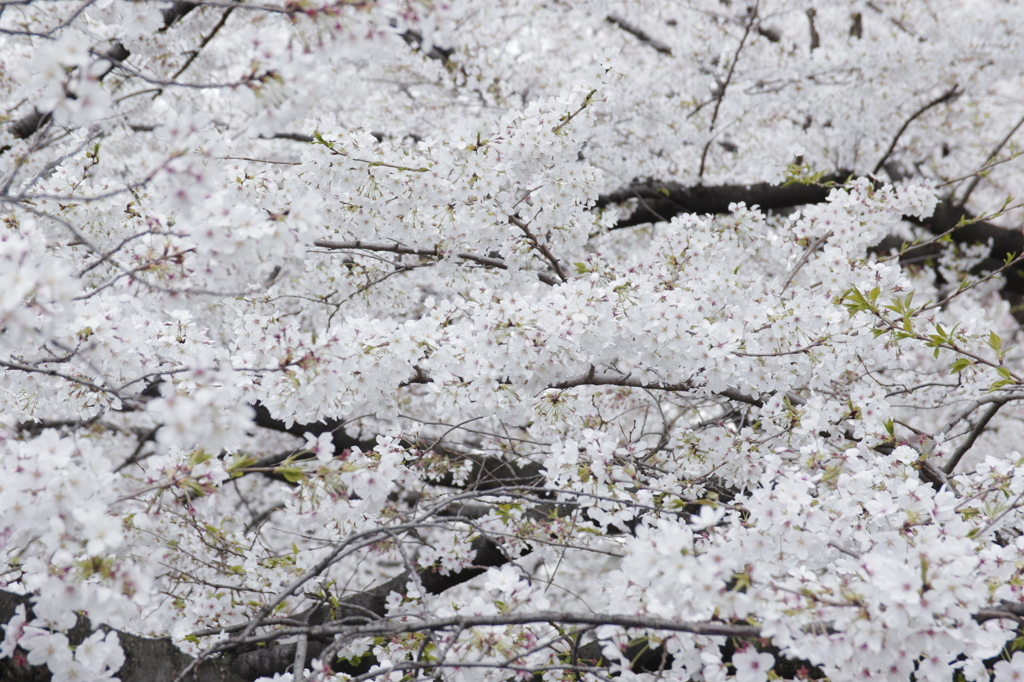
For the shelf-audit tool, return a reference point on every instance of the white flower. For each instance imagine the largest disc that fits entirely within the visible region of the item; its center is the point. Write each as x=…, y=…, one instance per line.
x=502, y=579
x=394, y=600
x=322, y=446
x=103, y=530
x=752, y=666
x=98, y=653
x=709, y=516
x=45, y=647
x=974, y=670
x=773, y=173
x=13, y=631
x=1010, y=671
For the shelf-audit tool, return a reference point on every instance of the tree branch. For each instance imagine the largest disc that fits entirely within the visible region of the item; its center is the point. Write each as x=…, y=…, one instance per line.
x=638, y=33
x=386, y=628
x=663, y=201
x=31, y=123
x=950, y=94
x=976, y=431
x=992, y=155
x=426, y=253
x=146, y=660
x=540, y=247
x=660, y=202
x=723, y=86
x=203, y=43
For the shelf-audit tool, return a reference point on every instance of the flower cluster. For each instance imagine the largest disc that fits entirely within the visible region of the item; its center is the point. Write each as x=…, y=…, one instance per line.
x=482, y=339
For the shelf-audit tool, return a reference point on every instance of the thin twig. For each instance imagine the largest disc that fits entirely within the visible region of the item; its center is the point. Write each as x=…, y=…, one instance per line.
x=725, y=84
x=205, y=41
x=428, y=253
x=569, y=117
x=950, y=94
x=17, y=367
x=992, y=155
x=997, y=519
x=984, y=169
x=540, y=247
x=803, y=259
x=986, y=417
x=170, y=82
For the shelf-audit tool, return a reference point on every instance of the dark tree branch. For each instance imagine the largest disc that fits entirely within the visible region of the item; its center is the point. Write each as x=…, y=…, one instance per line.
x=175, y=12
x=768, y=33
x=592, y=379
x=204, y=42
x=815, y=38
x=659, y=202
x=662, y=201
x=856, y=25
x=28, y=125
x=543, y=249
x=297, y=137
x=638, y=33
x=146, y=660
x=342, y=441
x=965, y=229
x=31, y=369
x=414, y=39
x=931, y=474
x=976, y=431
x=386, y=628
x=360, y=609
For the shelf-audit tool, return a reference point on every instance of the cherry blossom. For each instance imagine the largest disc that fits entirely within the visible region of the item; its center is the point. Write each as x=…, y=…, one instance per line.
x=492, y=339
x=752, y=666
x=1010, y=670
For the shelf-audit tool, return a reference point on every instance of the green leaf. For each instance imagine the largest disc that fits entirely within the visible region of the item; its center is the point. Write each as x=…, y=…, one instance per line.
x=239, y=462
x=505, y=511
x=959, y=365
x=855, y=302
x=994, y=342
x=291, y=474
x=318, y=139
x=199, y=456
x=999, y=384
x=193, y=487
